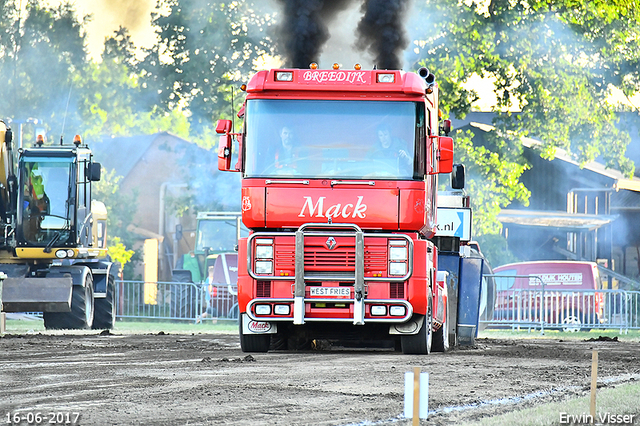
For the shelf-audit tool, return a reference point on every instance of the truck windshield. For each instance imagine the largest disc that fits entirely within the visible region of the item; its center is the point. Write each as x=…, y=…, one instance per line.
x=330, y=139
x=44, y=200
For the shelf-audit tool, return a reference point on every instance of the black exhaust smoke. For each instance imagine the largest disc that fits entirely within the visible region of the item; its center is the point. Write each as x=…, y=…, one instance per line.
x=381, y=31
x=305, y=29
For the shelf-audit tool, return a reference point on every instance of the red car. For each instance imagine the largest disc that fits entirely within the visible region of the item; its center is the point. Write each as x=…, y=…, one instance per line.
x=569, y=288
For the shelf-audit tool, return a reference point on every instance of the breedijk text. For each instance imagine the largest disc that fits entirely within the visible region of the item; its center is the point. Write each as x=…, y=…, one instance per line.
x=336, y=210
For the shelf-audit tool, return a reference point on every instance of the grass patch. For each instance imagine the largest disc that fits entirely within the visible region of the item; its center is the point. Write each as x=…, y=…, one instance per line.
x=31, y=325
x=630, y=336
x=620, y=400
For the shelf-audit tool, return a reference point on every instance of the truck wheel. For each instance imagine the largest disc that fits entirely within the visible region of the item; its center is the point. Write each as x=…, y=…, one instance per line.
x=254, y=342
x=81, y=315
x=105, y=309
x=419, y=344
x=299, y=343
x=441, y=338
x=278, y=341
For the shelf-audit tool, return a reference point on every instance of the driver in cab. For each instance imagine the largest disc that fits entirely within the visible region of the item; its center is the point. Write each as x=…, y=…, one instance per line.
x=288, y=155
x=391, y=150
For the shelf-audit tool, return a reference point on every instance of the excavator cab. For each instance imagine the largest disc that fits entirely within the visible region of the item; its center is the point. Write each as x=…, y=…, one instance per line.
x=45, y=201
x=53, y=206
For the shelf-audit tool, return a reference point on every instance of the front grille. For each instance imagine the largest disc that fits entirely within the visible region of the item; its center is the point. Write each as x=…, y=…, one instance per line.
x=396, y=290
x=318, y=258
x=263, y=289
x=321, y=259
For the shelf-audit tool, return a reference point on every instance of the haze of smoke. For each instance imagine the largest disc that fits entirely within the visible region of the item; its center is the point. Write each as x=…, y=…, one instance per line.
x=304, y=29
x=133, y=14
x=381, y=31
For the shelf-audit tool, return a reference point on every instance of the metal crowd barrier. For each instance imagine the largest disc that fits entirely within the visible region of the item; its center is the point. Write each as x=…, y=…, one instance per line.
x=175, y=301
x=567, y=310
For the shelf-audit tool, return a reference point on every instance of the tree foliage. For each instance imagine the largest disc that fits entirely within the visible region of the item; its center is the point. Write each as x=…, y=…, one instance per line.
x=204, y=49
x=493, y=182
x=554, y=60
x=39, y=55
x=553, y=65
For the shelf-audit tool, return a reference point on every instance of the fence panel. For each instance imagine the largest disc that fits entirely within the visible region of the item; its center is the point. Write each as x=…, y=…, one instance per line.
x=567, y=310
x=174, y=301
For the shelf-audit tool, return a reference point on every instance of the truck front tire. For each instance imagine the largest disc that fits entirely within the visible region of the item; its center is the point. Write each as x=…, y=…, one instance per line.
x=441, y=338
x=419, y=344
x=254, y=342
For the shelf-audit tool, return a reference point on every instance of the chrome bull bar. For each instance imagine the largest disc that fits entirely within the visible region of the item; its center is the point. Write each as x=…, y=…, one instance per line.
x=358, y=278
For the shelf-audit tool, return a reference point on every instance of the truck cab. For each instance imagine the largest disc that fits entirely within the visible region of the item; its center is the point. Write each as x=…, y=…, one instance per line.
x=340, y=173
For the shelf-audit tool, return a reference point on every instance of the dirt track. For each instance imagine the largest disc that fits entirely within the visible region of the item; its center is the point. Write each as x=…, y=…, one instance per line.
x=168, y=379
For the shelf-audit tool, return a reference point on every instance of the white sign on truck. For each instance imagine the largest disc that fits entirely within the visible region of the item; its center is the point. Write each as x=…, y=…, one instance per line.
x=454, y=222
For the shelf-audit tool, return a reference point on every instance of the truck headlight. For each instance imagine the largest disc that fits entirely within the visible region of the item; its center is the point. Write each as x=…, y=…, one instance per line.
x=282, y=309
x=397, y=311
x=397, y=268
x=378, y=310
x=397, y=253
x=264, y=252
x=263, y=309
x=264, y=267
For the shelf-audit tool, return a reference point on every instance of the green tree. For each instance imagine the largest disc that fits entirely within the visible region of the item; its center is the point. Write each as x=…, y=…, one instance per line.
x=555, y=62
x=110, y=102
x=204, y=49
x=39, y=56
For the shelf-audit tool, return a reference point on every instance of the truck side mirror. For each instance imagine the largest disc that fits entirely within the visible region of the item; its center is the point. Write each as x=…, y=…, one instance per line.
x=226, y=143
x=224, y=153
x=457, y=176
x=94, y=172
x=445, y=160
x=223, y=127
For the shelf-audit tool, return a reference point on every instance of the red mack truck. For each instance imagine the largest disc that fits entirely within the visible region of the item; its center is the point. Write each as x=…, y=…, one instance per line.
x=340, y=176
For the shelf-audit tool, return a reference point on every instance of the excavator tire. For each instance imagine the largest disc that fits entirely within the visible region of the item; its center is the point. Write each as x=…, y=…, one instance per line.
x=104, y=317
x=81, y=315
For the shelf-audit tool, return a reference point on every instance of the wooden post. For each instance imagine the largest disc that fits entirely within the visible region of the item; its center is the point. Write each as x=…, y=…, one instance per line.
x=3, y=316
x=416, y=396
x=594, y=383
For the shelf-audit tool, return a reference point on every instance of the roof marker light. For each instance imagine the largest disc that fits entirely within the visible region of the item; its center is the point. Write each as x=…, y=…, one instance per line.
x=284, y=76
x=357, y=67
x=243, y=87
x=336, y=66
x=313, y=66
x=386, y=78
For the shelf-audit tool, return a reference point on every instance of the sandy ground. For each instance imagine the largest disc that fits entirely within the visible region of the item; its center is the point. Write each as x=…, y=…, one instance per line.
x=175, y=379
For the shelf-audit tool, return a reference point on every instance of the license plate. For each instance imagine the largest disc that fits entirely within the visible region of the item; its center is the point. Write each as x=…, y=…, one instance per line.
x=330, y=291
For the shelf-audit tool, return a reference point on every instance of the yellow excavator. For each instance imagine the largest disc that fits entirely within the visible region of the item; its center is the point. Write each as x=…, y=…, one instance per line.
x=53, y=241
